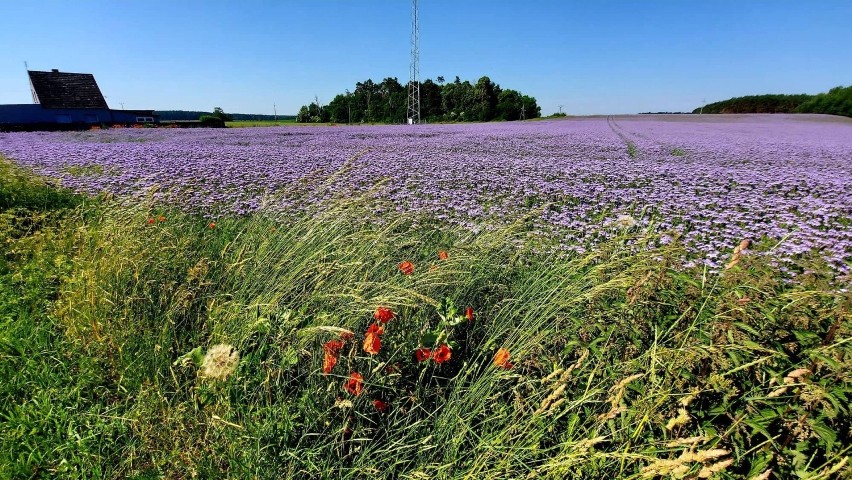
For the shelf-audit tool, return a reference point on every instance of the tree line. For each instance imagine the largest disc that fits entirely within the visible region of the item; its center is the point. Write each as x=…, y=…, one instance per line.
x=387, y=102
x=837, y=101
x=170, y=115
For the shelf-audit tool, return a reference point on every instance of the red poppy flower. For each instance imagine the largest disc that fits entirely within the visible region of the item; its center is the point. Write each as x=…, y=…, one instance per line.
x=331, y=350
x=469, y=314
x=380, y=405
x=161, y=218
x=211, y=225
x=151, y=221
x=442, y=354
x=383, y=314
x=501, y=359
x=406, y=267
x=422, y=354
x=346, y=336
x=372, y=342
x=354, y=384
x=442, y=255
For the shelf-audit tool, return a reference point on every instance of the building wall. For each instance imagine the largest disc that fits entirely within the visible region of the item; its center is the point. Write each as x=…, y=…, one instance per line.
x=26, y=114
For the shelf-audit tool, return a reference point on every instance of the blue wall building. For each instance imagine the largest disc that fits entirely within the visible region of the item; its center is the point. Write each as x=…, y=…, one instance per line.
x=64, y=100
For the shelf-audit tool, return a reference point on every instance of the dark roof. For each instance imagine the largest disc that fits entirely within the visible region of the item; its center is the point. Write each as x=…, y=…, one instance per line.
x=67, y=90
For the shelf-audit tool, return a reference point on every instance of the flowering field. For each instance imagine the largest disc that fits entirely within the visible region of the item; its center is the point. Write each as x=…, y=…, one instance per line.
x=712, y=180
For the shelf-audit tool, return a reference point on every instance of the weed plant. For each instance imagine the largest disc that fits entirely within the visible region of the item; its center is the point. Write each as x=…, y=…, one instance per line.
x=621, y=363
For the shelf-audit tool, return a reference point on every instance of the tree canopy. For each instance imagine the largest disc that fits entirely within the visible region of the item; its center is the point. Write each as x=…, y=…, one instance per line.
x=387, y=102
x=838, y=101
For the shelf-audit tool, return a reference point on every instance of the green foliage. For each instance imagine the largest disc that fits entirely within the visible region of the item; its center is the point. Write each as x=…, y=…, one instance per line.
x=212, y=121
x=387, y=102
x=19, y=188
x=220, y=114
x=838, y=101
x=623, y=365
x=772, y=103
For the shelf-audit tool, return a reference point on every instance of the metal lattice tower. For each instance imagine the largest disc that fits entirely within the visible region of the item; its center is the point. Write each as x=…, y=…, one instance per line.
x=413, y=112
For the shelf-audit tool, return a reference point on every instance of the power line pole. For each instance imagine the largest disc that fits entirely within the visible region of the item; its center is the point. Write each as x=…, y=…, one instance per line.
x=413, y=111
x=560, y=109
x=275, y=111
x=703, y=101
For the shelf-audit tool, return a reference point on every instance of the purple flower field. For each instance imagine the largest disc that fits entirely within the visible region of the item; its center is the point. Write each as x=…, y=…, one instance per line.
x=715, y=179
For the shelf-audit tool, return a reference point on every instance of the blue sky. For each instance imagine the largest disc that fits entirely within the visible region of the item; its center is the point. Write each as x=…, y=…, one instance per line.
x=593, y=57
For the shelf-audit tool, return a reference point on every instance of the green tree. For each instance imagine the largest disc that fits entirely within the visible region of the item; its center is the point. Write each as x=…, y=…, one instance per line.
x=220, y=114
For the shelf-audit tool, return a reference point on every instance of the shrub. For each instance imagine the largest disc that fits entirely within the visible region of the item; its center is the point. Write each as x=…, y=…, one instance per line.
x=211, y=121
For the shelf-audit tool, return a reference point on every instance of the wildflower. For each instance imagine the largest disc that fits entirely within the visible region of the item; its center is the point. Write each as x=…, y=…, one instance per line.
x=422, y=354
x=354, y=384
x=383, y=314
x=211, y=225
x=161, y=219
x=380, y=405
x=501, y=359
x=406, y=267
x=625, y=221
x=442, y=255
x=331, y=349
x=150, y=220
x=346, y=336
x=372, y=342
x=442, y=354
x=469, y=314
x=220, y=362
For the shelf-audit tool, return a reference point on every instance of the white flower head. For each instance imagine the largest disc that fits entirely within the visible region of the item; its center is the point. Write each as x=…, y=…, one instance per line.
x=625, y=221
x=220, y=362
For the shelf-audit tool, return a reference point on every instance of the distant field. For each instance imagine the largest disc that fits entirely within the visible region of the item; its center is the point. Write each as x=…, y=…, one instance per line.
x=708, y=179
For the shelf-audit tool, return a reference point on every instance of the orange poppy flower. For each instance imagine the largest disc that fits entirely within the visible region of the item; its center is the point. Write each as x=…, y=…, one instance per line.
x=469, y=314
x=151, y=221
x=383, y=314
x=406, y=267
x=346, y=336
x=422, y=354
x=442, y=255
x=380, y=405
x=372, y=342
x=442, y=354
x=161, y=218
x=501, y=359
x=354, y=384
x=211, y=225
x=331, y=350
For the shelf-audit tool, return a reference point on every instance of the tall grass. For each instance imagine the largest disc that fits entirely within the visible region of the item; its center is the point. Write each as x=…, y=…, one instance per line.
x=624, y=365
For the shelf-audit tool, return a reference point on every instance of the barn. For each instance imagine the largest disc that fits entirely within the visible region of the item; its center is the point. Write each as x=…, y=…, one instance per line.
x=64, y=101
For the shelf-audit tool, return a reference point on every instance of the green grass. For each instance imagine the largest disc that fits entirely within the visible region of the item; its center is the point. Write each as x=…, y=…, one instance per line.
x=623, y=365
x=631, y=149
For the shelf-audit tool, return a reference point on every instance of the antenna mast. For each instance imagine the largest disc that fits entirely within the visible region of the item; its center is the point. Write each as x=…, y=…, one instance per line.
x=413, y=112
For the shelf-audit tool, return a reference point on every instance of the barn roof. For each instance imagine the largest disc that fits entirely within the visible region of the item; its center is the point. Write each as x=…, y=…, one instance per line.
x=57, y=89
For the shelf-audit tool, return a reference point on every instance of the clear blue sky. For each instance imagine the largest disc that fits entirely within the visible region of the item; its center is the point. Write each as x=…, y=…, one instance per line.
x=612, y=56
